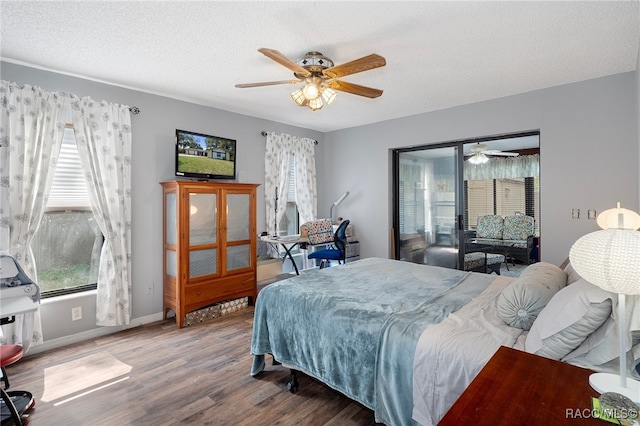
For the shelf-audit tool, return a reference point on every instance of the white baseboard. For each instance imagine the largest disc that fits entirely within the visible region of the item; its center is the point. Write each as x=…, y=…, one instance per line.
x=92, y=334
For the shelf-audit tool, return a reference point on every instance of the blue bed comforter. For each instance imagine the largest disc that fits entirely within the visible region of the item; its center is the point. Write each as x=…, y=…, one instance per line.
x=355, y=327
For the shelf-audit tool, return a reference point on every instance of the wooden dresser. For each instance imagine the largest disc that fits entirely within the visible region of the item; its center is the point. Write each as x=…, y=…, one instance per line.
x=519, y=388
x=209, y=244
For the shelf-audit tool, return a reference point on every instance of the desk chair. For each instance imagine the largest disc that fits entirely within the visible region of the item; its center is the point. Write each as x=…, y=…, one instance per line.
x=338, y=251
x=14, y=404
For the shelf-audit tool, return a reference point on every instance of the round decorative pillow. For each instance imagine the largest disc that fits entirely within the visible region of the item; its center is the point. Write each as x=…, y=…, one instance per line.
x=520, y=302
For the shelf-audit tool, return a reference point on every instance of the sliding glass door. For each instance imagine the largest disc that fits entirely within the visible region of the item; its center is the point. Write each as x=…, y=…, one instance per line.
x=441, y=191
x=427, y=206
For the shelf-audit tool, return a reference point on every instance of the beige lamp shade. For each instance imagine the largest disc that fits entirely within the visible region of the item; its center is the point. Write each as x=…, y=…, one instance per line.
x=298, y=97
x=618, y=218
x=610, y=259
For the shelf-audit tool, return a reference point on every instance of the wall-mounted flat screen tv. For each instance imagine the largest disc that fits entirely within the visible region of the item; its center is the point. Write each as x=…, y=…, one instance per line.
x=204, y=156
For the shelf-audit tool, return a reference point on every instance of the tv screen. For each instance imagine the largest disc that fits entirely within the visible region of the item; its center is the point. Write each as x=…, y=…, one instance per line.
x=205, y=156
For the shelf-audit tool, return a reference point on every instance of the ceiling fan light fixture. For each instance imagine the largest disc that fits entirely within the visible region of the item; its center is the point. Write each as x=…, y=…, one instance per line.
x=311, y=90
x=478, y=158
x=329, y=95
x=315, y=104
x=298, y=97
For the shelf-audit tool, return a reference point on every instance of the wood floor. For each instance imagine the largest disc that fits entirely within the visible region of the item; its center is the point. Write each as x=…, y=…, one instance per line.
x=161, y=375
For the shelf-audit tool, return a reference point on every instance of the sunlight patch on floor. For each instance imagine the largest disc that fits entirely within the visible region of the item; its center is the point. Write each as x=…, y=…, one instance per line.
x=82, y=375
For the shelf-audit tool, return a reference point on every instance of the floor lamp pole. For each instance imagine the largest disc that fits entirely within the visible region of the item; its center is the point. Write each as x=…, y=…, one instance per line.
x=622, y=338
x=618, y=383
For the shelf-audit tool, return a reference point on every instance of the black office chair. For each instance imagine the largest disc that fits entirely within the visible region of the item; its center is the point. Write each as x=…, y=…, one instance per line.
x=338, y=250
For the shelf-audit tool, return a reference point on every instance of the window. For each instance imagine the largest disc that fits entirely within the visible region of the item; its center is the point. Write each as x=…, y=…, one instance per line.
x=68, y=243
x=290, y=222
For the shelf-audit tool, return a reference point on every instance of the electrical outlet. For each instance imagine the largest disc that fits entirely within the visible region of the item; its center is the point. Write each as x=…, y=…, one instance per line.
x=76, y=313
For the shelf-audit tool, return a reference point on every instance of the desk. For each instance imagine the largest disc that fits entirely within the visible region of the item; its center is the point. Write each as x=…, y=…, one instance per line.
x=17, y=300
x=519, y=388
x=288, y=243
x=18, y=294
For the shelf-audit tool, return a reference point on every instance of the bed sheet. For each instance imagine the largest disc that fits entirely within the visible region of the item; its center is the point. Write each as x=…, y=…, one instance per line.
x=450, y=354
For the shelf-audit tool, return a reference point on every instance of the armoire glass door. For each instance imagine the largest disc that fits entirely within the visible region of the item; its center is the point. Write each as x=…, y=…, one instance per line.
x=428, y=205
x=203, y=231
x=238, y=231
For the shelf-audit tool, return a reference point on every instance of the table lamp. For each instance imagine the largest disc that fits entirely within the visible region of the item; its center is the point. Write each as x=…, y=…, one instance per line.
x=336, y=204
x=610, y=259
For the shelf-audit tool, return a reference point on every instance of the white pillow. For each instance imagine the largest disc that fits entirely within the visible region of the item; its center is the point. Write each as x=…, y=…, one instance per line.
x=520, y=302
x=572, y=275
x=572, y=315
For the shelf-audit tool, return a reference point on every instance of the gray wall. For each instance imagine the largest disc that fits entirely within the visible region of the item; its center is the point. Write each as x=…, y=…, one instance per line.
x=637, y=105
x=588, y=148
x=589, y=159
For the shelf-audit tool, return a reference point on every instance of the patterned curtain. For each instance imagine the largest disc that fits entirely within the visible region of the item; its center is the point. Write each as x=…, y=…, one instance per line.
x=279, y=150
x=31, y=130
x=307, y=197
x=504, y=168
x=103, y=136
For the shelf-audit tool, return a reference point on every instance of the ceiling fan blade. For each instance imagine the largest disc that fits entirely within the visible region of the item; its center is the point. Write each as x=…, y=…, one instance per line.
x=355, y=89
x=363, y=64
x=501, y=153
x=283, y=60
x=267, y=83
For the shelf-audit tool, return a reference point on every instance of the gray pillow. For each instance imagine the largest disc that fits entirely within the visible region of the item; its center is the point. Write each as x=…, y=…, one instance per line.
x=520, y=302
x=561, y=344
x=546, y=273
x=571, y=317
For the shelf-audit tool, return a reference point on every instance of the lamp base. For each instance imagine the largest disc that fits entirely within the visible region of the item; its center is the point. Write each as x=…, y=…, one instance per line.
x=606, y=382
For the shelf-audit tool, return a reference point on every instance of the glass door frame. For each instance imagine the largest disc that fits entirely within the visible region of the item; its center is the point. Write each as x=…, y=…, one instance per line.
x=461, y=208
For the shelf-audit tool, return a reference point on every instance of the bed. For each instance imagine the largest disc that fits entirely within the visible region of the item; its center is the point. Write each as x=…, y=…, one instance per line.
x=405, y=339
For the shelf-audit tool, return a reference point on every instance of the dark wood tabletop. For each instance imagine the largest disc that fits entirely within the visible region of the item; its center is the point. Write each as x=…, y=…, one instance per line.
x=519, y=388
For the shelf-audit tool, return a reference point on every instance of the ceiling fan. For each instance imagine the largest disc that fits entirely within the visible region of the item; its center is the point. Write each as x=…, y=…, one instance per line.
x=479, y=154
x=320, y=77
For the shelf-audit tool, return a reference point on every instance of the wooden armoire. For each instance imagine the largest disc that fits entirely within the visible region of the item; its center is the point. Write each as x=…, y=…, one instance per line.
x=209, y=244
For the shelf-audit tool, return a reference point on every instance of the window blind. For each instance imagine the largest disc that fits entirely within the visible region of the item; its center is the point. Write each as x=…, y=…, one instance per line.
x=289, y=224
x=68, y=189
x=291, y=195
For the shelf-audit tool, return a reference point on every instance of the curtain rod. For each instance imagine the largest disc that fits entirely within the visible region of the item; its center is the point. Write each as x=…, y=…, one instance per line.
x=134, y=110
x=263, y=133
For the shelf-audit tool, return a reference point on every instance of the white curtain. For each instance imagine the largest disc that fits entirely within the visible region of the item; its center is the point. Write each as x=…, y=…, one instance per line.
x=306, y=196
x=504, y=168
x=103, y=136
x=279, y=150
x=31, y=131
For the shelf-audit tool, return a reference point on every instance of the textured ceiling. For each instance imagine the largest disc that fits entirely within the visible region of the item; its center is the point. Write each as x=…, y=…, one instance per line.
x=439, y=54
